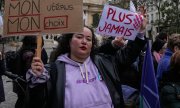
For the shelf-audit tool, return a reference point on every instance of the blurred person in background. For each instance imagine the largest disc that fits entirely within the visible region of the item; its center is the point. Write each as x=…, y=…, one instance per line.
x=173, y=45
x=2, y=70
x=20, y=63
x=158, y=49
x=162, y=36
x=171, y=84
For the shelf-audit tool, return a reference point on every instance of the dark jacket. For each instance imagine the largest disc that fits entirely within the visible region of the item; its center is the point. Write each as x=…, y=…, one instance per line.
x=108, y=66
x=21, y=64
x=2, y=69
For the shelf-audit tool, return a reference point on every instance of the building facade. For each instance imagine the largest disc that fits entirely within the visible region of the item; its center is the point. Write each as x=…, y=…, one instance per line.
x=92, y=10
x=153, y=16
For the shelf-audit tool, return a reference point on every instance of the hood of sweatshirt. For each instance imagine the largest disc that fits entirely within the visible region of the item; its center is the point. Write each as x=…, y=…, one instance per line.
x=81, y=66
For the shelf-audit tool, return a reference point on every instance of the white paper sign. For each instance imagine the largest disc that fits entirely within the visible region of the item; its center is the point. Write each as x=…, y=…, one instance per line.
x=119, y=22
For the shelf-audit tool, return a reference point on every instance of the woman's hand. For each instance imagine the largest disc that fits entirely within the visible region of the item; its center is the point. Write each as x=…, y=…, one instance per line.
x=37, y=66
x=143, y=25
x=118, y=41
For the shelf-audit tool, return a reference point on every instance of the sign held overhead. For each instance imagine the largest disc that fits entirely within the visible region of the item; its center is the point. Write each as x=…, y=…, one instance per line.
x=42, y=16
x=119, y=22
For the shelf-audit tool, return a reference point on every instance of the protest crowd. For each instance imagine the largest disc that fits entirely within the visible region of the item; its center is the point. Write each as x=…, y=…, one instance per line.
x=125, y=69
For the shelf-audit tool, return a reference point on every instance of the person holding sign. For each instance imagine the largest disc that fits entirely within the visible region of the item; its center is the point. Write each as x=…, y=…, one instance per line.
x=20, y=63
x=2, y=70
x=81, y=77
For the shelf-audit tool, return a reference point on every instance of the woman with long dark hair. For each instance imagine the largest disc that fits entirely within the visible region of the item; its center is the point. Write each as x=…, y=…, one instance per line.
x=81, y=77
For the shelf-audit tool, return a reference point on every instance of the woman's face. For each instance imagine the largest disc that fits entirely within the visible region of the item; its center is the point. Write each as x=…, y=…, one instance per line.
x=81, y=45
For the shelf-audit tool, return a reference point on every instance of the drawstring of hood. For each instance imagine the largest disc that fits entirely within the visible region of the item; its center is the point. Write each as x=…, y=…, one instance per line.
x=81, y=72
x=83, y=66
x=86, y=72
x=87, y=79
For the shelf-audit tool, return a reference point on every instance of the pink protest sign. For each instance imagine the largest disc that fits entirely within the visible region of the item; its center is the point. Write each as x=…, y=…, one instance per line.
x=119, y=22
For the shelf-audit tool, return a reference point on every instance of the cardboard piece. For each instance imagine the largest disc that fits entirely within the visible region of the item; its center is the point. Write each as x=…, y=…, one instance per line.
x=42, y=16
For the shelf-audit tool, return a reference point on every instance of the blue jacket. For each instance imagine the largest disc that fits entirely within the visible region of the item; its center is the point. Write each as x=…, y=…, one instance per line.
x=164, y=63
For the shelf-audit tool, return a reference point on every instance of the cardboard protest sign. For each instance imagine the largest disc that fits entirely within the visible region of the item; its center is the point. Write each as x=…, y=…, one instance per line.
x=42, y=16
x=119, y=22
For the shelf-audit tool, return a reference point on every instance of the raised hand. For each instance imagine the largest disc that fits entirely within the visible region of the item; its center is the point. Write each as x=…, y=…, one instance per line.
x=118, y=41
x=37, y=66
